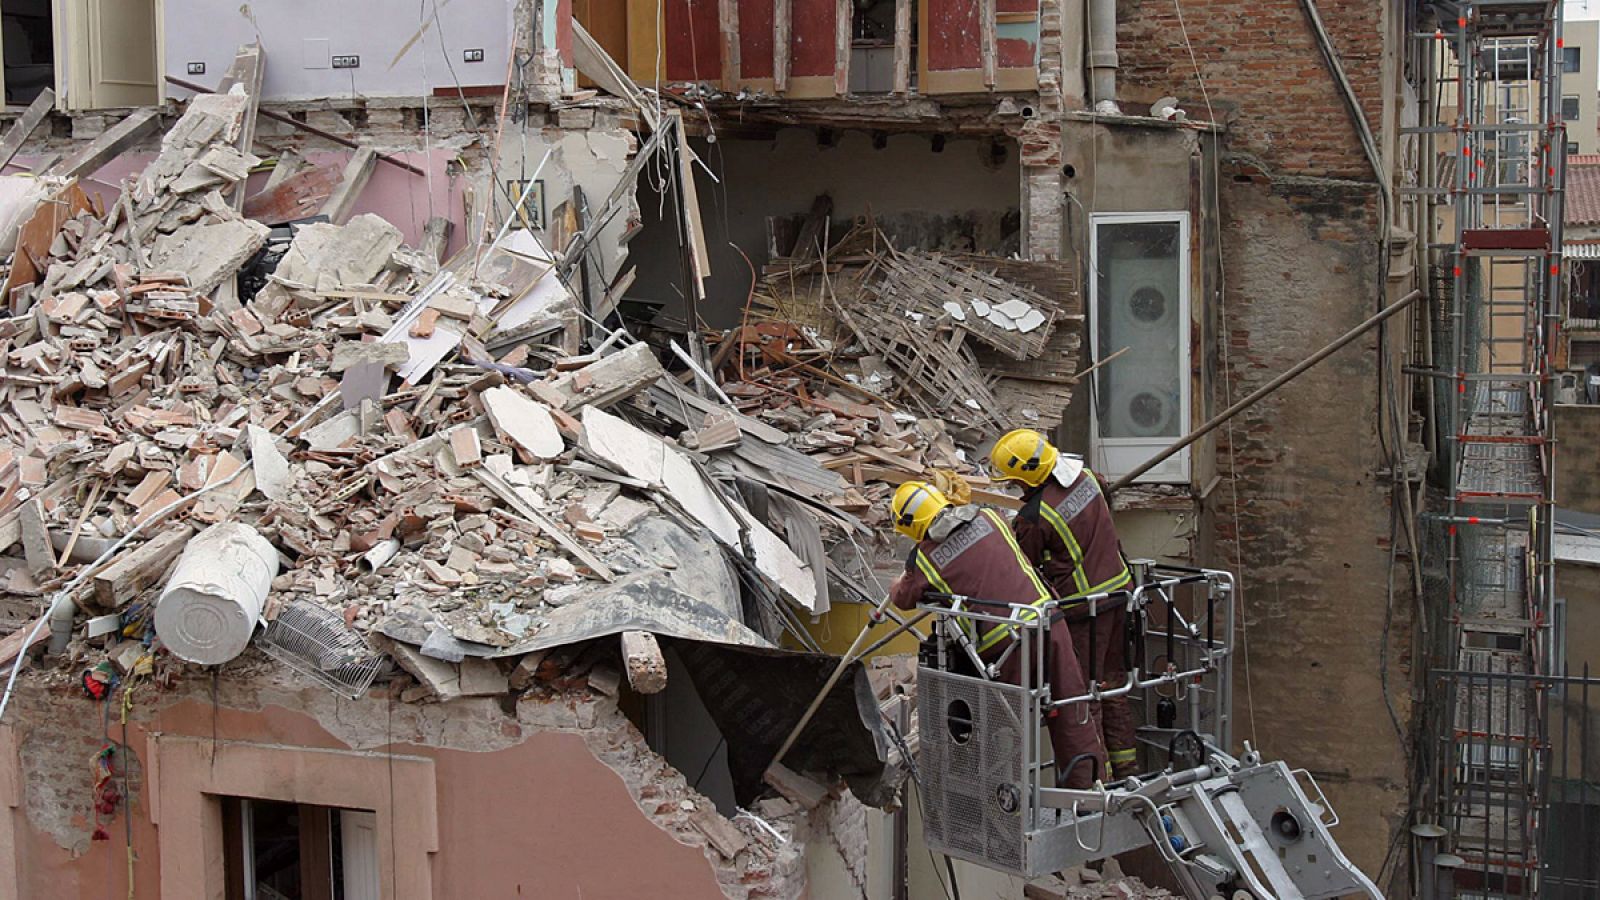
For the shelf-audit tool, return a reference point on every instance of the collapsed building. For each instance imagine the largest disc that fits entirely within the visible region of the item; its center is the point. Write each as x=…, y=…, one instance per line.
x=537, y=374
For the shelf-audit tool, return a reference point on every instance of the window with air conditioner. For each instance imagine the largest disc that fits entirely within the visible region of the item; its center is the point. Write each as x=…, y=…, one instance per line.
x=1140, y=309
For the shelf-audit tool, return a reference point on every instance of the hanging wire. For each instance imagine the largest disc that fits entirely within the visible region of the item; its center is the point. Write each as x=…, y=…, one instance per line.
x=1227, y=381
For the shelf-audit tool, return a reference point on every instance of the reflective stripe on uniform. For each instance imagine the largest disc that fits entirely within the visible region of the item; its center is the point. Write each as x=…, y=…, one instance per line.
x=965, y=538
x=1076, y=502
x=1123, y=756
x=930, y=572
x=998, y=633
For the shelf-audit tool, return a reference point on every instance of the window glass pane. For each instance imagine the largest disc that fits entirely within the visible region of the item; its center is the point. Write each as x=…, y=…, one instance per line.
x=1571, y=59
x=1139, y=297
x=1569, y=109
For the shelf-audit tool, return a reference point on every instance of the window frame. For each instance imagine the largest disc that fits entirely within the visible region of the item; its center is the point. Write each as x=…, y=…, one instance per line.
x=1575, y=54
x=1115, y=457
x=1577, y=103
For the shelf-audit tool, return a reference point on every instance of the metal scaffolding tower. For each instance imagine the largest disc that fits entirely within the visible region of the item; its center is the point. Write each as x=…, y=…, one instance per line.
x=1497, y=208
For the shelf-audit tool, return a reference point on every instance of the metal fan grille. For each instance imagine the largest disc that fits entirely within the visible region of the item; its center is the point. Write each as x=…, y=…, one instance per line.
x=316, y=642
x=968, y=765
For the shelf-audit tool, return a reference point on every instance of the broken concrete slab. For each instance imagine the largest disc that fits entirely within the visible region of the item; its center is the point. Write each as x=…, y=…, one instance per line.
x=438, y=676
x=608, y=380
x=271, y=467
x=334, y=432
x=526, y=421
x=210, y=252
x=354, y=353
x=644, y=662
x=720, y=833
x=480, y=678
x=326, y=257
x=638, y=454
x=36, y=539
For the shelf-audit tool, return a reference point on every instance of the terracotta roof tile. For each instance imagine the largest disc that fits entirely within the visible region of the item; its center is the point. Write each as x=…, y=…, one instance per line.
x=1583, y=193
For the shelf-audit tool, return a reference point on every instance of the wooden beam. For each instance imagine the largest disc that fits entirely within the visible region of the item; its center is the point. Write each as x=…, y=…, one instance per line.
x=289, y=164
x=296, y=197
x=116, y=139
x=728, y=25
x=134, y=570
x=436, y=237
x=986, y=27
x=843, y=18
x=25, y=125
x=693, y=228
x=356, y=174
x=249, y=66
x=902, y=46
x=594, y=62
x=780, y=46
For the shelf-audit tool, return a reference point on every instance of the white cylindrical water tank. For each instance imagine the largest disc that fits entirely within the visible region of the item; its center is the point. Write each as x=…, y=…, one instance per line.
x=208, y=610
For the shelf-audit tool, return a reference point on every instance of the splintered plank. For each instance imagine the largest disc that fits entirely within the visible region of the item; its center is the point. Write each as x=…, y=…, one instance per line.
x=139, y=568
x=356, y=174
x=116, y=140
x=24, y=127
x=296, y=197
x=249, y=66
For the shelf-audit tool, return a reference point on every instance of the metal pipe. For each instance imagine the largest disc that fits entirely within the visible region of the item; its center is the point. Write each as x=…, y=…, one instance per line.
x=1445, y=866
x=309, y=129
x=1103, y=55
x=850, y=656
x=1299, y=369
x=904, y=627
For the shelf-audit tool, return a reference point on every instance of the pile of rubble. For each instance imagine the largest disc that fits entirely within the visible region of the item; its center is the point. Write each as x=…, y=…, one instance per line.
x=885, y=365
x=386, y=452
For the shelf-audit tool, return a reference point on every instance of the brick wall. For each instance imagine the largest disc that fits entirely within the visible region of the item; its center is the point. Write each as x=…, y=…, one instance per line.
x=1310, y=527
x=1577, y=436
x=1263, y=72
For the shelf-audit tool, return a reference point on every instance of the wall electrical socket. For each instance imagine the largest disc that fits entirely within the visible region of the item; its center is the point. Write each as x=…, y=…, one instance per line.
x=197, y=68
x=472, y=55
x=347, y=62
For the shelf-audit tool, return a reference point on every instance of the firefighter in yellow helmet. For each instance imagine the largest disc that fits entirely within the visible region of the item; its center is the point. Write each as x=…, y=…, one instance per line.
x=972, y=552
x=1066, y=530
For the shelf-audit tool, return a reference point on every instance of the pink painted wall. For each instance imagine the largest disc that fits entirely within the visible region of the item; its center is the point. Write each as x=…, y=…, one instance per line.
x=399, y=196
x=544, y=819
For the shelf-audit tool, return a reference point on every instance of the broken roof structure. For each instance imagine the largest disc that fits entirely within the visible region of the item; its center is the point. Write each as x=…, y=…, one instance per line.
x=226, y=424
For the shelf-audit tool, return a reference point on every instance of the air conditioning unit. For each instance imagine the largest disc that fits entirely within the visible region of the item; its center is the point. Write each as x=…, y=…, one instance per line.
x=1143, y=386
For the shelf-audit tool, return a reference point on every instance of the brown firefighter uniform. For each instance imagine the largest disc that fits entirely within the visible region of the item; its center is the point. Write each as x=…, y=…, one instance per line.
x=1068, y=533
x=981, y=559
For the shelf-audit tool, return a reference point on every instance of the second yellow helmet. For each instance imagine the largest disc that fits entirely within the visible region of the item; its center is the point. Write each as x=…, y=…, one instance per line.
x=1023, y=455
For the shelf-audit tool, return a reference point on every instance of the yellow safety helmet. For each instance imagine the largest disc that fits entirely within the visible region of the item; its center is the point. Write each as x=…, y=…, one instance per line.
x=916, y=504
x=1023, y=455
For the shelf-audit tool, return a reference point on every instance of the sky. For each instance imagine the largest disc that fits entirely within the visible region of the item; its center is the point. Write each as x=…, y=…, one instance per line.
x=1582, y=9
